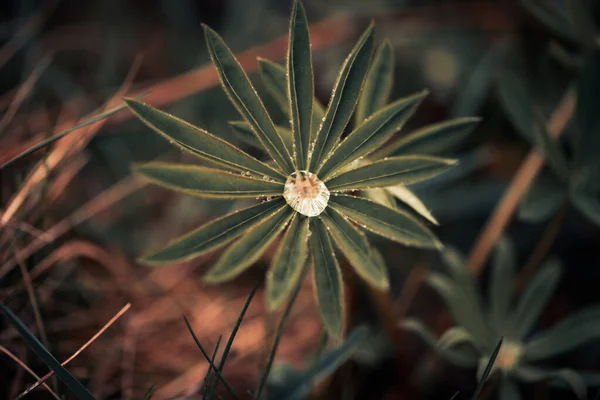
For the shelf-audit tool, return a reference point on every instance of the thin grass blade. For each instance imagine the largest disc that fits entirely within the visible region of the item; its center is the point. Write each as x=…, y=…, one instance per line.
x=206, y=182
x=243, y=253
x=327, y=276
x=287, y=264
x=243, y=96
x=488, y=369
x=212, y=235
x=344, y=97
x=70, y=381
x=378, y=84
x=208, y=377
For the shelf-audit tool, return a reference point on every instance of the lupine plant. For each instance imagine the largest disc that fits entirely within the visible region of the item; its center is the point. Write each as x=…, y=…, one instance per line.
x=306, y=189
x=479, y=325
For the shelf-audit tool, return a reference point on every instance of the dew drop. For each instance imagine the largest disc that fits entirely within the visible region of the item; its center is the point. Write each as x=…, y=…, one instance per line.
x=306, y=193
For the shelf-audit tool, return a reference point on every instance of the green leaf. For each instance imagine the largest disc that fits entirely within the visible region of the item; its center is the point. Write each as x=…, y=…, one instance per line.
x=391, y=223
x=198, y=141
x=243, y=253
x=573, y=331
x=378, y=84
x=327, y=365
x=453, y=356
x=243, y=96
x=535, y=297
x=380, y=196
x=288, y=262
x=207, y=182
x=329, y=288
x=583, y=22
x=529, y=121
x=543, y=199
x=454, y=336
x=586, y=113
x=567, y=376
x=389, y=172
x=460, y=307
x=72, y=383
x=355, y=247
x=406, y=196
x=432, y=139
x=245, y=132
x=587, y=203
x=300, y=83
x=275, y=79
x=502, y=283
x=343, y=98
x=212, y=234
x=371, y=134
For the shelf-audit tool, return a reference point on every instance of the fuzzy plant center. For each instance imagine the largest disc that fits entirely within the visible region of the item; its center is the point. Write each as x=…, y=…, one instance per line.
x=509, y=355
x=306, y=193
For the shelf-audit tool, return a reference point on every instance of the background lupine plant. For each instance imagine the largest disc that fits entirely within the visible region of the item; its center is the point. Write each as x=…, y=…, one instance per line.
x=303, y=189
x=479, y=325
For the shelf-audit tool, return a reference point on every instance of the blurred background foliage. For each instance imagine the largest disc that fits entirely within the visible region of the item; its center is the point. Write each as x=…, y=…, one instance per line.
x=63, y=59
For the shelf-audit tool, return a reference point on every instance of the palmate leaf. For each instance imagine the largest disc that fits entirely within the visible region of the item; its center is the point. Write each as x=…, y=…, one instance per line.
x=245, y=251
x=391, y=171
x=243, y=96
x=300, y=83
x=245, y=132
x=371, y=134
x=329, y=289
x=275, y=79
x=391, y=223
x=344, y=97
x=517, y=101
x=431, y=139
x=288, y=262
x=378, y=84
x=206, y=182
x=72, y=383
x=380, y=196
x=212, y=235
x=197, y=141
x=355, y=247
x=535, y=298
x=502, y=283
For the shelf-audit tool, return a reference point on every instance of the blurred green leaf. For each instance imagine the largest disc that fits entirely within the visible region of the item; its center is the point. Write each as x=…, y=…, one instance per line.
x=389, y=172
x=327, y=276
x=212, y=234
x=390, y=223
x=378, y=84
x=573, y=331
x=300, y=84
x=517, y=101
x=243, y=96
x=432, y=139
x=454, y=336
x=371, y=134
x=245, y=132
x=569, y=377
x=206, y=182
x=588, y=204
x=34, y=344
x=554, y=14
x=243, y=253
x=583, y=22
x=343, y=98
x=534, y=299
x=198, y=141
x=287, y=264
x=502, y=283
x=542, y=200
x=274, y=77
x=509, y=390
x=355, y=248
x=327, y=365
x=406, y=196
